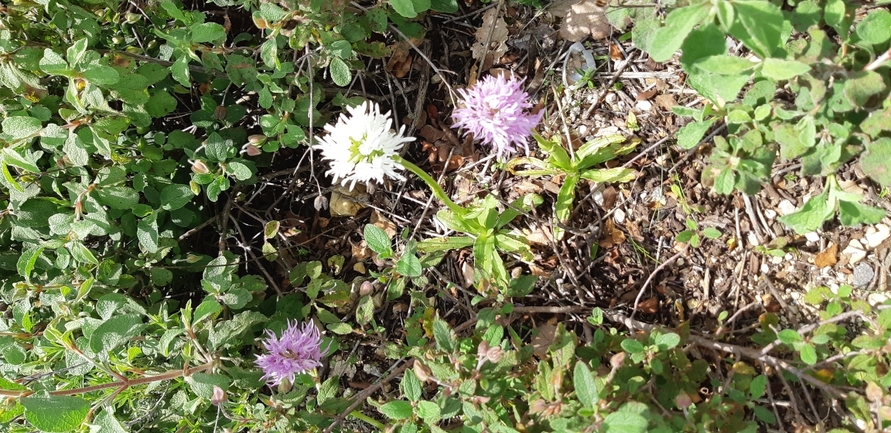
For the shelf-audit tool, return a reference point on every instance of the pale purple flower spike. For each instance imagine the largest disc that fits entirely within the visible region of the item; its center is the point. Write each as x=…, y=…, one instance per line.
x=296, y=351
x=495, y=112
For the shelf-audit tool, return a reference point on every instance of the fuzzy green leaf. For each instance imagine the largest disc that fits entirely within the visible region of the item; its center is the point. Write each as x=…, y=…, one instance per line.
x=55, y=413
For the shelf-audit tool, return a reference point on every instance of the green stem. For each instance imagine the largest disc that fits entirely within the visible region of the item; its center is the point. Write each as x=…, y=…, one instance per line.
x=373, y=422
x=434, y=187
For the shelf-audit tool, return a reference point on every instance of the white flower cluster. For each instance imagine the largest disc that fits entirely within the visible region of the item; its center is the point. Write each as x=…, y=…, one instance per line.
x=361, y=146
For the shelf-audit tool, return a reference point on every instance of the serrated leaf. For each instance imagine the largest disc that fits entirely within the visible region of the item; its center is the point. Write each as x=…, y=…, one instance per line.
x=377, y=240
x=778, y=69
x=679, y=23
x=429, y=411
x=55, y=413
x=690, y=134
x=114, y=332
x=861, y=86
x=396, y=410
x=340, y=72
x=443, y=335
x=811, y=216
x=585, y=386
x=875, y=28
x=853, y=213
x=874, y=161
x=624, y=422
x=411, y=386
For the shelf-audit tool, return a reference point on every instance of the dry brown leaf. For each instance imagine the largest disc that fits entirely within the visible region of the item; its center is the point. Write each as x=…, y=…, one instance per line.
x=827, y=257
x=383, y=223
x=544, y=339
x=581, y=19
x=649, y=305
x=400, y=60
x=497, y=43
x=612, y=235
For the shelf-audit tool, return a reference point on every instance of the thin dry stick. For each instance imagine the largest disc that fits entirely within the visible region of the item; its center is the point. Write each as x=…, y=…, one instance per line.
x=360, y=397
x=652, y=275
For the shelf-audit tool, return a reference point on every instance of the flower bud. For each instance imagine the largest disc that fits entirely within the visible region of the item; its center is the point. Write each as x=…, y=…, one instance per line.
x=200, y=167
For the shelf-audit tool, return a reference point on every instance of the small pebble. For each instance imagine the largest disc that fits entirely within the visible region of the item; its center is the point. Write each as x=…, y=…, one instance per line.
x=643, y=106
x=619, y=216
x=770, y=214
x=786, y=207
x=863, y=275
x=812, y=237
x=876, y=235
x=876, y=298
x=855, y=251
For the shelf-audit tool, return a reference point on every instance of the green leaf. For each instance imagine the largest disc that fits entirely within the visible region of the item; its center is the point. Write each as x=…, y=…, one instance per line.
x=180, y=71
x=764, y=414
x=147, y=233
x=690, y=134
x=875, y=28
x=114, y=332
x=55, y=413
x=340, y=72
x=724, y=64
x=175, y=196
x=778, y=70
x=853, y=213
x=81, y=253
x=217, y=148
x=443, y=334
x=396, y=410
x=14, y=158
x=758, y=386
x=207, y=32
x=585, y=386
x=679, y=23
x=409, y=265
x=207, y=309
x=874, y=161
x=108, y=423
x=160, y=104
x=269, y=53
x=161, y=277
x=19, y=127
x=102, y=75
x=811, y=216
x=117, y=197
x=808, y=354
x=624, y=422
x=759, y=26
x=711, y=233
x=411, y=386
x=8, y=177
x=53, y=64
x=565, y=198
x=667, y=341
x=429, y=411
x=445, y=6
x=240, y=170
x=377, y=240
x=632, y=346
x=861, y=86
x=789, y=337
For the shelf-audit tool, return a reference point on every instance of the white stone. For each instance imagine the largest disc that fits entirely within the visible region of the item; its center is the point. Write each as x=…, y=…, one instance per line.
x=643, y=106
x=786, y=207
x=812, y=237
x=619, y=216
x=855, y=251
x=770, y=214
x=876, y=235
x=876, y=298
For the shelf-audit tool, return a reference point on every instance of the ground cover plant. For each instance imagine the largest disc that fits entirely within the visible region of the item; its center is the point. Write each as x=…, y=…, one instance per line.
x=420, y=215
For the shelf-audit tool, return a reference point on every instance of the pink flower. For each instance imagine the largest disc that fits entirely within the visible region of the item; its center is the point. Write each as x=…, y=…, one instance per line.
x=296, y=351
x=495, y=112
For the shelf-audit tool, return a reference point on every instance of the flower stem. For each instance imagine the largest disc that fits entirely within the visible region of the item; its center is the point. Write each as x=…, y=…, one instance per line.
x=434, y=187
x=373, y=422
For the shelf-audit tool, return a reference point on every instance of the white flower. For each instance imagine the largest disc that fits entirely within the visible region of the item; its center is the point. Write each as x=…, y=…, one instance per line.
x=361, y=146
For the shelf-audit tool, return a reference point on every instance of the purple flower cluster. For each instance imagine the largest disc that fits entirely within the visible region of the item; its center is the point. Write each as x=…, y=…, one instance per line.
x=296, y=351
x=495, y=112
